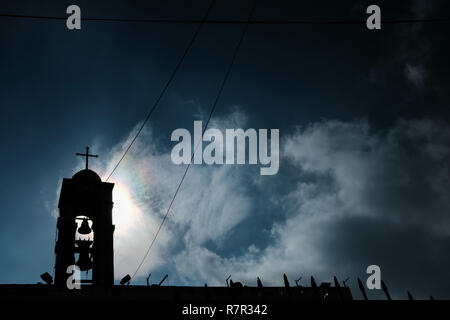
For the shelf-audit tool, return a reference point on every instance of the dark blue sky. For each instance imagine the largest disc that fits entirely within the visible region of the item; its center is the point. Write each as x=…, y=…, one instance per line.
x=61, y=90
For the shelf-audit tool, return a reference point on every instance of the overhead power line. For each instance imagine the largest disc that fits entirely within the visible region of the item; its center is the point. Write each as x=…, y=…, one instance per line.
x=219, y=93
x=169, y=81
x=197, y=21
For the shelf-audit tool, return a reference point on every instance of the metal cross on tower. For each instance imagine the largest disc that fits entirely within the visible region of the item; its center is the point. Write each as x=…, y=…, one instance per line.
x=87, y=155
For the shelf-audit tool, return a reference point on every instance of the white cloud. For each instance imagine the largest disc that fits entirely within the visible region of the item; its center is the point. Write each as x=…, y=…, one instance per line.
x=210, y=203
x=397, y=176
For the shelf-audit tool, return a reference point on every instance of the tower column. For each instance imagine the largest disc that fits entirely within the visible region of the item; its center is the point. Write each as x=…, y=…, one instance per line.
x=85, y=195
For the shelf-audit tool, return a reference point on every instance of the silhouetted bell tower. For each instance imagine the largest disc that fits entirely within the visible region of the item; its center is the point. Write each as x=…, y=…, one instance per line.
x=85, y=228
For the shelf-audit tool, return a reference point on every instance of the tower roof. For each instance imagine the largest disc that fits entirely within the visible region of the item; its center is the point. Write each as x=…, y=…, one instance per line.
x=86, y=176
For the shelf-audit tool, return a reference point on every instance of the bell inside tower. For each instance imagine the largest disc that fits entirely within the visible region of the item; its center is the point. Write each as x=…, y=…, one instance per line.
x=85, y=229
x=84, y=242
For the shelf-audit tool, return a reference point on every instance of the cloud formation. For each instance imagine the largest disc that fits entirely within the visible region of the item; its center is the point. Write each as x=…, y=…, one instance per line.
x=361, y=198
x=355, y=196
x=205, y=209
